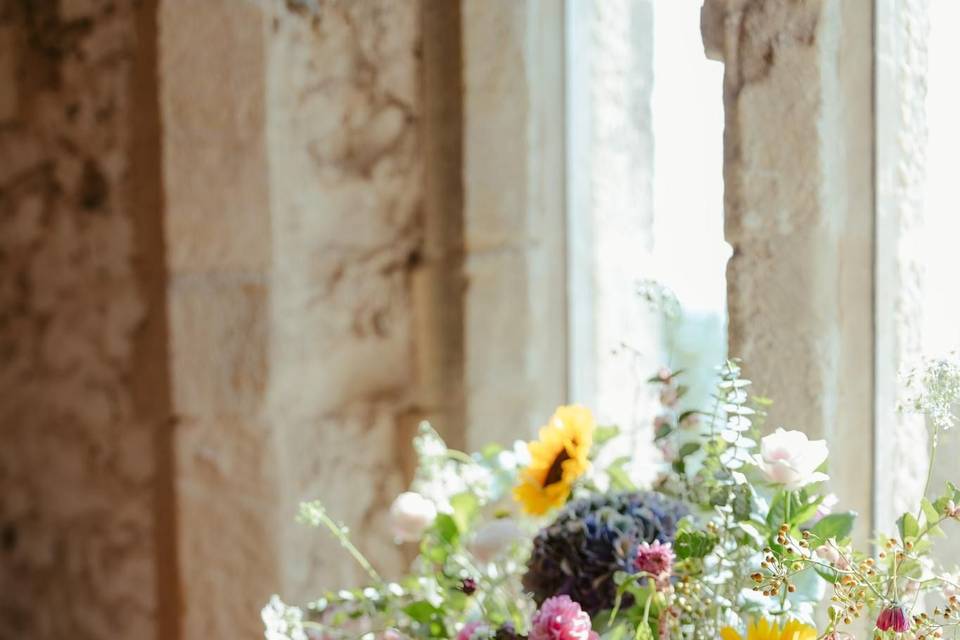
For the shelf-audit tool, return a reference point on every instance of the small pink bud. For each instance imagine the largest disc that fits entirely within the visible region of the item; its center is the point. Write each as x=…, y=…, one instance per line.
x=668, y=395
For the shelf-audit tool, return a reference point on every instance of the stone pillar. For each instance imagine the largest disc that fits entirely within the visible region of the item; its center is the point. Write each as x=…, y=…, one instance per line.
x=218, y=232
x=84, y=402
x=901, y=455
x=513, y=132
x=346, y=184
x=800, y=217
x=615, y=336
x=294, y=185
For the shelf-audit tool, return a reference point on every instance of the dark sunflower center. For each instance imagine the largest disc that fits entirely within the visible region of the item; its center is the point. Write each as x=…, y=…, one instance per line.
x=555, y=473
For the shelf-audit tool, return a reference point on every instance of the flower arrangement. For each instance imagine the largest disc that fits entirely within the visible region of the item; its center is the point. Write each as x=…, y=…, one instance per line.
x=737, y=538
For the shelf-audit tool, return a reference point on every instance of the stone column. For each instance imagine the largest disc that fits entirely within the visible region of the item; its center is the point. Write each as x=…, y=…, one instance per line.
x=84, y=401
x=515, y=341
x=345, y=169
x=800, y=217
x=294, y=186
x=218, y=234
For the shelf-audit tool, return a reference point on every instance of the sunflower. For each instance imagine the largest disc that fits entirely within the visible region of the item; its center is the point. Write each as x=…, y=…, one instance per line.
x=764, y=630
x=557, y=459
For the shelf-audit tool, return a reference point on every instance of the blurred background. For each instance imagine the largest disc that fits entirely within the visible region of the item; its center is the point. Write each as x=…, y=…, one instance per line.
x=247, y=246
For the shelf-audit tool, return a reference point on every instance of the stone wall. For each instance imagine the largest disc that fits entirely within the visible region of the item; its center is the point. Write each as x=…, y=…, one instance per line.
x=81, y=324
x=238, y=270
x=245, y=246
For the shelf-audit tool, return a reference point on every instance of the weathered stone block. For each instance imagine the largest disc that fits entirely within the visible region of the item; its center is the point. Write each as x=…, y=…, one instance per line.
x=219, y=326
x=212, y=73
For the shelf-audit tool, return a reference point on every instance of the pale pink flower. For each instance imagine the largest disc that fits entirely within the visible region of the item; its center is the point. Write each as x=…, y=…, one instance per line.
x=790, y=459
x=477, y=628
x=951, y=585
x=668, y=395
x=494, y=538
x=655, y=559
x=826, y=508
x=667, y=450
x=560, y=618
x=410, y=515
x=832, y=554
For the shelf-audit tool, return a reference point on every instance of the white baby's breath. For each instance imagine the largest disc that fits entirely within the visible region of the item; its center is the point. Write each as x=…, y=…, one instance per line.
x=282, y=621
x=933, y=389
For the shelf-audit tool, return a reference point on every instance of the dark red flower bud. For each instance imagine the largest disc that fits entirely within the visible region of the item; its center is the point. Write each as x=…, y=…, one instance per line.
x=894, y=618
x=468, y=586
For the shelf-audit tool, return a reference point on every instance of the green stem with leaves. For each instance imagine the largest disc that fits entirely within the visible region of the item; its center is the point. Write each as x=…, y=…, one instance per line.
x=315, y=514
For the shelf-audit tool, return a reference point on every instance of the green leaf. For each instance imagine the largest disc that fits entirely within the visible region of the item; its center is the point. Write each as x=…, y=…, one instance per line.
x=835, y=525
x=801, y=508
x=604, y=434
x=742, y=502
x=800, y=512
x=777, y=514
x=908, y=526
x=658, y=380
x=954, y=491
x=663, y=431
x=619, y=478
x=941, y=504
x=643, y=632
x=422, y=611
x=689, y=449
x=618, y=632
x=446, y=528
x=465, y=506
x=929, y=511
x=694, y=544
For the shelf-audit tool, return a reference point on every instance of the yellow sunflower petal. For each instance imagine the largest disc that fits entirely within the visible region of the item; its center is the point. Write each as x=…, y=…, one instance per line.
x=728, y=633
x=795, y=630
x=557, y=459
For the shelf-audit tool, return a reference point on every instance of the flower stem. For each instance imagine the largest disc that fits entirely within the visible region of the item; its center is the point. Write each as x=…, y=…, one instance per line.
x=315, y=514
x=930, y=459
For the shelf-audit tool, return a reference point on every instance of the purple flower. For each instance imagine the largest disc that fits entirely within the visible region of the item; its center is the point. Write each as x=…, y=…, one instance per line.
x=560, y=618
x=894, y=618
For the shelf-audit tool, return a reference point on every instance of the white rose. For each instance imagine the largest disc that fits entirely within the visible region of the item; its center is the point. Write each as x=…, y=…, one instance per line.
x=494, y=538
x=410, y=515
x=790, y=459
